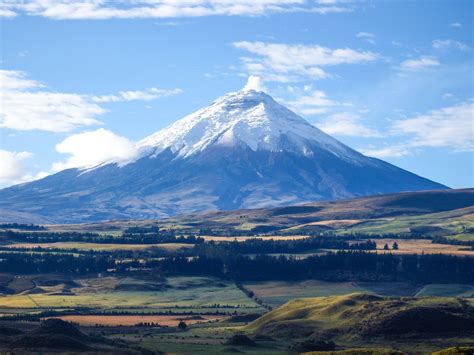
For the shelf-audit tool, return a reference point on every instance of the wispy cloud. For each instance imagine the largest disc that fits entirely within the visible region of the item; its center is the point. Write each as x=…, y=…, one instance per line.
x=293, y=62
x=145, y=95
x=333, y=116
x=347, y=124
x=366, y=36
x=450, y=43
x=387, y=152
x=28, y=105
x=450, y=127
x=5, y=12
x=107, y=9
x=170, y=23
x=419, y=64
x=24, y=107
x=311, y=102
x=455, y=24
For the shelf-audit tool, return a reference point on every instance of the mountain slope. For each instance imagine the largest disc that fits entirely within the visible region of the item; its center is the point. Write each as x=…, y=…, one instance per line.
x=243, y=151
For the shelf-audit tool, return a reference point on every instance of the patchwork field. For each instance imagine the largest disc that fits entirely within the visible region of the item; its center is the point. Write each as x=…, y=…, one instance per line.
x=180, y=294
x=133, y=296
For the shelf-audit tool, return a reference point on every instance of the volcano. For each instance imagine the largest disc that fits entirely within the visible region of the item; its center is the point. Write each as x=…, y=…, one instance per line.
x=245, y=150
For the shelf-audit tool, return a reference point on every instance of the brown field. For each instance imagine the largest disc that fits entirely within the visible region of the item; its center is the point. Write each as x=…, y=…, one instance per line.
x=132, y=320
x=421, y=246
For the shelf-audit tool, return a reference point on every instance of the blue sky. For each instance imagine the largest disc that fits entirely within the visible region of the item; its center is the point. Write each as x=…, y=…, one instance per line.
x=82, y=80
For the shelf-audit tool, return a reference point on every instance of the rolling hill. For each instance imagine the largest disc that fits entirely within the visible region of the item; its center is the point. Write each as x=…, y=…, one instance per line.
x=367, y=316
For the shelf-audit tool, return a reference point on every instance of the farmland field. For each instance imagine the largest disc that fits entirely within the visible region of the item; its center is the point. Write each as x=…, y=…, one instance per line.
x=133, y=293
x=111, y=293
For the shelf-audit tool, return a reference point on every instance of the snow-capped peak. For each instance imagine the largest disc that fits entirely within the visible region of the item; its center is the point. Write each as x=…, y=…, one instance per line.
x=246, y=117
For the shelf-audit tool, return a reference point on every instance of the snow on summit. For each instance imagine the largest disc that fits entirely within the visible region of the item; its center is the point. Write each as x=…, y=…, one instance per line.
x=247, y=117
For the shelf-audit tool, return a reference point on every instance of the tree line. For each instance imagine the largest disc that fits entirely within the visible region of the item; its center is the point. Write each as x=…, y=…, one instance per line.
x=271, y=246
x=333, y=266
x=142, y=238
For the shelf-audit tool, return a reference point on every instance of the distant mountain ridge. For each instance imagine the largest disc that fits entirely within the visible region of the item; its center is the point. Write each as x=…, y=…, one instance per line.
x=245, y=150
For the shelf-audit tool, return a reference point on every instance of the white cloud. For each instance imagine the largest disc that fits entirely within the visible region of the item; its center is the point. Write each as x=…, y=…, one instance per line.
x=16, y=80
x=346, y=124
x=7, y=13
x=387, y=152
x=12, y=167
x=455, y=24
x=107, y=9
x=25, y=108
x=92, y=148
x=287, y=63
x=451, y=127
x=367, y=37
x=450, y=43
x=419, y=64
x=27, y=105
x=254, y=83
x=145, y=95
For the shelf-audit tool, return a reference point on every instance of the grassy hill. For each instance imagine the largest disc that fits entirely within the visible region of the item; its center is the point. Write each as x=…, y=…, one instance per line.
x=355, y=318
